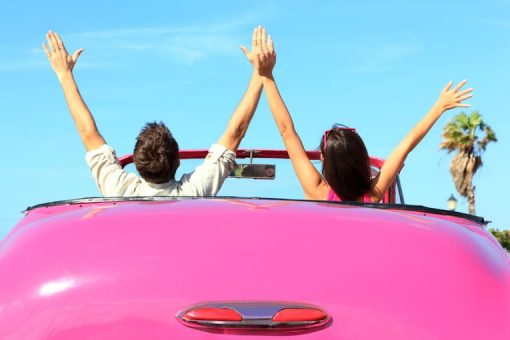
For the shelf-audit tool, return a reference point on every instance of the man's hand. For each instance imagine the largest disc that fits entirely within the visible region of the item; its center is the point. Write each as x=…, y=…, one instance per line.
x=452, y=98
x=252, y=55
x=241, y=118
x=61, y=62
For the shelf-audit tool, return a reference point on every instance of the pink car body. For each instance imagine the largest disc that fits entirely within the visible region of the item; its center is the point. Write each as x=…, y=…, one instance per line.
x=106, y=268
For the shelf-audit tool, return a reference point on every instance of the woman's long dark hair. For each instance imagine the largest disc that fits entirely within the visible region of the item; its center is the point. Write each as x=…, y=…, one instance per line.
x=346, y=165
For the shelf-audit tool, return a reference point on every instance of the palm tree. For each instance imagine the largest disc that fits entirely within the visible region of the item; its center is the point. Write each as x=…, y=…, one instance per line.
x=461, y=134
x=503, y=236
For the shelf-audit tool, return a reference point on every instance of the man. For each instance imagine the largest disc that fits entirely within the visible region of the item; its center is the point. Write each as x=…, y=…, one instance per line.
x=156, y=153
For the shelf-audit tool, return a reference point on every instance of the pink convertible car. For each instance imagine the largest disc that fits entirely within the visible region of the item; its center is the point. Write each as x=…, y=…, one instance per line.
x=251, y=268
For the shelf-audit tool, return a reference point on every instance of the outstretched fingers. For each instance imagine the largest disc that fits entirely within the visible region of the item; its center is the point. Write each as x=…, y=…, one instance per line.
x=48, y=54
x=463, y=95
x=452, y=97
x=466, y=91
x=60, y=43
x=458, y=87
x=60, y=60
x=266, y=57
x=54, y=43
x=51, y=47
x=270, y=44
x=263, y=39
x=447, y=86
x=252, y=55
x=259, y=37
x=244, y=49
x=254, y=42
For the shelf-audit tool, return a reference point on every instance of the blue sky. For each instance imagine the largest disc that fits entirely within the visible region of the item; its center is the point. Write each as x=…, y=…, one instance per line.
x=377, y=66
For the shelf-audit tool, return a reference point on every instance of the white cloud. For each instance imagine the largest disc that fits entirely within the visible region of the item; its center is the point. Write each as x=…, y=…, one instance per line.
x=21, y=65
x=179, y=44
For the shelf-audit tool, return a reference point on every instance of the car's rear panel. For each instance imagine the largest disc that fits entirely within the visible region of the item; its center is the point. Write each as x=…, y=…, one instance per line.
x=123, y=270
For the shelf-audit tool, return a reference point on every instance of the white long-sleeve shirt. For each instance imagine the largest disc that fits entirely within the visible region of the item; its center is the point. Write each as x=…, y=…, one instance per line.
x=112, y=180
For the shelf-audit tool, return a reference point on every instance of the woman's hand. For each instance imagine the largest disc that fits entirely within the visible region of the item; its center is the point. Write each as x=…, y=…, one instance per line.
x=266, y=56
x=262, y=55
x=452, y=98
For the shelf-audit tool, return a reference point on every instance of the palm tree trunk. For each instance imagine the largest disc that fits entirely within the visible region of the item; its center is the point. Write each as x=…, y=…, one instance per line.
x=460, y=169
x=463, y=168
x=471, y=199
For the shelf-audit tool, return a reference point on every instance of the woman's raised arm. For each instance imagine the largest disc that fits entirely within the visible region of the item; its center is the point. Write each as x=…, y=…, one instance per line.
x=312, y=182
x=448, y=99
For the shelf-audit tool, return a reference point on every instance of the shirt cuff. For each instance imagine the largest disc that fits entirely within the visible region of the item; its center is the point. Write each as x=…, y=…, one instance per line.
x=217, y=151
x=104, y=150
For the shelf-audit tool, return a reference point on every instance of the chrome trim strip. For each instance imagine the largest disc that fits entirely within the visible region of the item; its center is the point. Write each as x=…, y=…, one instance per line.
x=404, y=207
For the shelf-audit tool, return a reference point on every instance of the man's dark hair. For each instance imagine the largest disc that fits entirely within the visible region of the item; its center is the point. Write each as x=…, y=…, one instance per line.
x=156, y=154
x=346, y=165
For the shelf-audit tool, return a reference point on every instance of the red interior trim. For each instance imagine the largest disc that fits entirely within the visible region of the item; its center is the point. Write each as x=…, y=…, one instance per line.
x=243, y=153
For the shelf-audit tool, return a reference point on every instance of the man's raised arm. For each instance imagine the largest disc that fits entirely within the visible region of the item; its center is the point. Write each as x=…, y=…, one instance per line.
x=241, y=118
x=63, y=63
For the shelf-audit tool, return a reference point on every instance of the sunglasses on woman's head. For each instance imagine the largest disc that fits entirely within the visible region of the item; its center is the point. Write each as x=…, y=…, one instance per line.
x=335, y=127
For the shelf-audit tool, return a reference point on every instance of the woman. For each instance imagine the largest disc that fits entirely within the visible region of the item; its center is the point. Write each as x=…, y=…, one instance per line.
x=346, y=171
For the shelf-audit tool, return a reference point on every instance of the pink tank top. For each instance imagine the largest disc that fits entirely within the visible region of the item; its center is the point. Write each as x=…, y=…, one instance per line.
x=332, y=196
